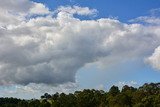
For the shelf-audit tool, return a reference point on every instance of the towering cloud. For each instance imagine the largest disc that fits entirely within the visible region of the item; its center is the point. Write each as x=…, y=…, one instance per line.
x=51, y=48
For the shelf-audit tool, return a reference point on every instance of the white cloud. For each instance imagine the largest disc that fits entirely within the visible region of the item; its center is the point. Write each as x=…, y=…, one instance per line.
x=146, y=19
x=39, y=8
x=50, y=50
x=13, y=12
x=154, y=59
x=152, y=19
x=15, y=5
x=76, y=10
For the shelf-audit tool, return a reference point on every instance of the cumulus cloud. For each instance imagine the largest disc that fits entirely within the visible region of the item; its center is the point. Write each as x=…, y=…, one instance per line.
x=16, y=5
x=154, y=59
x=39, y=8
x=14, y=12
x=50, y=50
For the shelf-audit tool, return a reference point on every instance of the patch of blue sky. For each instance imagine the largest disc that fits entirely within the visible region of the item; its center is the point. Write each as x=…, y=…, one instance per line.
x=91, y=77
x=124, y=10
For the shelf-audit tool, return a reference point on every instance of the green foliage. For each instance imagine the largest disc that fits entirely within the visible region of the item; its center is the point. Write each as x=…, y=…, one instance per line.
x=114, y=90
x=147, y=95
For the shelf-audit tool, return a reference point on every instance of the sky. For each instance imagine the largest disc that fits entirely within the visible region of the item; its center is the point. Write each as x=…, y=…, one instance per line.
x=67, y=45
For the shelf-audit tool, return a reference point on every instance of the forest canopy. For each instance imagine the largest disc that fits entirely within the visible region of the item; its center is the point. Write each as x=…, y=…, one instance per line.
x=147, y=95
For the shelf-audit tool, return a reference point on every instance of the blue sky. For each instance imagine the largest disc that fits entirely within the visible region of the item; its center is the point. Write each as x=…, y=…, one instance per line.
x=124, y=10
x=67, y=45
x=122, y=73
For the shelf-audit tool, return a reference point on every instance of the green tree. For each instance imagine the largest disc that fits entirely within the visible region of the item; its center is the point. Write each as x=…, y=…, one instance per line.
x=114, y=90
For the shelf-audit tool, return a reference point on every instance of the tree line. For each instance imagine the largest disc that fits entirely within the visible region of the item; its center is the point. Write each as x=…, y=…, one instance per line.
x=147, y=95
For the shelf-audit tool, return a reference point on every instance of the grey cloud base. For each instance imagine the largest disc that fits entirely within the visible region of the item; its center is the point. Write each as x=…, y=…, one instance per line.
x=51, y=50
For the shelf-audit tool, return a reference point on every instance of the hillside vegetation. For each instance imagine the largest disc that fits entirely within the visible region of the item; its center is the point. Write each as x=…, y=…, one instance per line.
x=147, y=95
